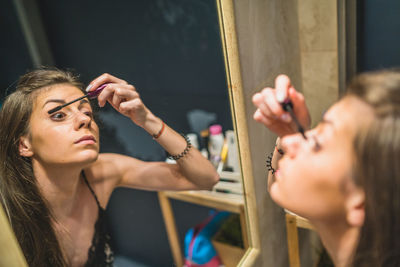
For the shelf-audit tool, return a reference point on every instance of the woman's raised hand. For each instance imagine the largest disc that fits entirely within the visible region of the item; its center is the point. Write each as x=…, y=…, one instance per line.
x=122, y=96
x=270, y=112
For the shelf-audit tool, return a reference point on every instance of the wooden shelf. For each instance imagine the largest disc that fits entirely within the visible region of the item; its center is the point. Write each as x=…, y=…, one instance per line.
x=299, y=221
x=221, y=201
x=294, y=221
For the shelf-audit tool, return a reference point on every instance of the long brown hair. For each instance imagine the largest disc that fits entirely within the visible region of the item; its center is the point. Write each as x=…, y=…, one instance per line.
x=28, y=212
x=377, y=169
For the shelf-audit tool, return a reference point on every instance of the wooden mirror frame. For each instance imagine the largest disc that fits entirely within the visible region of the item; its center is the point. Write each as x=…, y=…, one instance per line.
x=10, y=251
x=236, y=99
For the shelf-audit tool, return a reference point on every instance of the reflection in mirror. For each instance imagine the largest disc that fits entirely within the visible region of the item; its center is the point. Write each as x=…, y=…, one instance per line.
x=171, y=52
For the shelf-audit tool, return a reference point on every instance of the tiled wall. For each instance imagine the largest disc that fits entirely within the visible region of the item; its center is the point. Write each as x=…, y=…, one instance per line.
x=318, y=36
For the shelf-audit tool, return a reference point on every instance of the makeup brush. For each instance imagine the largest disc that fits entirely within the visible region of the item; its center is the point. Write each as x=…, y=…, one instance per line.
x=91, y=94
x=288, y=106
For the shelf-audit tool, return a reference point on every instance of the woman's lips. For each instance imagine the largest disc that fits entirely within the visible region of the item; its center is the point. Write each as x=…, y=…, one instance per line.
x=87, y=139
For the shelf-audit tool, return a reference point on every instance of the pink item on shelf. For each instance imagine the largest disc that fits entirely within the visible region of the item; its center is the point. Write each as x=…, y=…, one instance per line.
x=215, y=129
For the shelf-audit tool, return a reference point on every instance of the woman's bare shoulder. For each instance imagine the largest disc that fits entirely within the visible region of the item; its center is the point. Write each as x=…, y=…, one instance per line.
x=104, y=169
x=110, y=166
x=103, y=175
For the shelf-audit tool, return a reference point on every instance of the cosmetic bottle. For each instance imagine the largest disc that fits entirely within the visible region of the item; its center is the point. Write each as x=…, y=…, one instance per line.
x=193, y=140
x=232, y=161
x=204, y=135
x=216, y=142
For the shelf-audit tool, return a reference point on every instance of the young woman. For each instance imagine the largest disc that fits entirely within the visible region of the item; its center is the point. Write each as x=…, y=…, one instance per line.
x=345, y=177
x=55, y=185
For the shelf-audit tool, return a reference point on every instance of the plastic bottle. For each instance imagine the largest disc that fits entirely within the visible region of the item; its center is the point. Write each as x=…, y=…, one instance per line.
x=232, y=161
x=193, y=139
x=216, y=142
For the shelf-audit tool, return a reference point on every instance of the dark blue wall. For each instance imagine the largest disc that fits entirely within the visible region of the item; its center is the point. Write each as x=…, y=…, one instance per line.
x=14, y=53
x=378, y=34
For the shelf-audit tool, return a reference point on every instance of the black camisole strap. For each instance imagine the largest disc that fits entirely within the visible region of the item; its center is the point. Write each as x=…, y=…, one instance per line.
x=100, y=253
x=91, y=189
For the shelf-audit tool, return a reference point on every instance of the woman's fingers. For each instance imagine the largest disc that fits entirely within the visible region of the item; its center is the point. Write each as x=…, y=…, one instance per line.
x=124, y=99
x=282, y=85
x=117, y=93
x=260, y=117
x=122, y=96
x=270, y=112
x=273, y=104
x=131, y=105
x=259, y=102
x=277, y=126
x=102, y=79
x=269, y=106
x=300, y=108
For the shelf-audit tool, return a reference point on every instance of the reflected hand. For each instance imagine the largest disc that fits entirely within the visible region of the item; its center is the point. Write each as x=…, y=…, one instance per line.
x=122, y=96
x=269, y=110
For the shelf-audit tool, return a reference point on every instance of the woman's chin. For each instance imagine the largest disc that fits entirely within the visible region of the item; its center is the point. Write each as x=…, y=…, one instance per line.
x=279, y=198
x=88, y=157
x=274, y=193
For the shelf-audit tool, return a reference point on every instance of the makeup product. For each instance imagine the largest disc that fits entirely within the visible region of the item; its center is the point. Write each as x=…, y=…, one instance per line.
x=91, y=94
x=288, y=106
x=215, y=144
x=224, y=154
x=232, y=161
x=193, y=139
x=226, y=191
x=205, y=134
x=228, y=187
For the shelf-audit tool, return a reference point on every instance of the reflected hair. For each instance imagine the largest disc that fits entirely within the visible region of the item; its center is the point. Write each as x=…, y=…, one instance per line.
x=377, y=170
x=27, y=210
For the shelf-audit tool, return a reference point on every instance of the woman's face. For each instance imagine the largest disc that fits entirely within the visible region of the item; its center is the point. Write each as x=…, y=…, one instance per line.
x=68, y=136
x=315, y=175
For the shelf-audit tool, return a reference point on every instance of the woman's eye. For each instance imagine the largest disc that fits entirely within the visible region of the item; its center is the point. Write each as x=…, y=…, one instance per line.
x=89, y=114
x=317, y=145
x=58, y=116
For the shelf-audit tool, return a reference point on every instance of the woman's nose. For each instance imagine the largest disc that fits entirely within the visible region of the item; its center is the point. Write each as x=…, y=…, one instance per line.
x=82, y=120
x=291, y=144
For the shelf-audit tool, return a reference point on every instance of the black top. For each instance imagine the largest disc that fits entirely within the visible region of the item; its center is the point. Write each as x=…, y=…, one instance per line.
x=100, y=253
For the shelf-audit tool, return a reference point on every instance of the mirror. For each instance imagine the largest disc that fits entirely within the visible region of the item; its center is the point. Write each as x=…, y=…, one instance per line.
x=306, y=40
x=169, y=49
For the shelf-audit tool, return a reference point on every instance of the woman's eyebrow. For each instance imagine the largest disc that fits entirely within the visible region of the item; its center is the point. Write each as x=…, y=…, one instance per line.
x=326, y=121
x=61, y=101
x=83, y=101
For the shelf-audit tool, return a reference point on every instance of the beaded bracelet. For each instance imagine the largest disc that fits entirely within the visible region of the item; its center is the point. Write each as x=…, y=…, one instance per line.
x=181, y=155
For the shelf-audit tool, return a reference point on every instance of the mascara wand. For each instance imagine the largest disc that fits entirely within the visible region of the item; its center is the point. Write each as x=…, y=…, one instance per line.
x=288, y=106
x=91, y=94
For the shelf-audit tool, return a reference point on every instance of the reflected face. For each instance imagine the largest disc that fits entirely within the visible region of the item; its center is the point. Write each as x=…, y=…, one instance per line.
x=314, y=175
x=69, y=136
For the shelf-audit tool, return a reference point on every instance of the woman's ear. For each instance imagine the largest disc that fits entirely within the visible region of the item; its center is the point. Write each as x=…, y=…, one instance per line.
x=24, y=146
x=355, y=207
